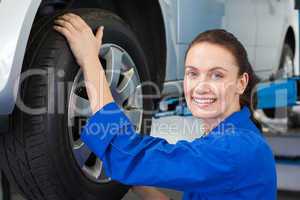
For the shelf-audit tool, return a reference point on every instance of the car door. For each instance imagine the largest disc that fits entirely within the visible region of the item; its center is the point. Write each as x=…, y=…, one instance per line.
x=270, y=34
x=240, y=19
x=195, y=16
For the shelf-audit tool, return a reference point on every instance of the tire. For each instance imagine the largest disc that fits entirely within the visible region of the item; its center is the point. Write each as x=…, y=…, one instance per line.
x=39, y=150
x=4, y=187
x=284, y=72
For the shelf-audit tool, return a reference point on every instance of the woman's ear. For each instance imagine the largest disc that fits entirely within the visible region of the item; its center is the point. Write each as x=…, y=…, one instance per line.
x=242, y=83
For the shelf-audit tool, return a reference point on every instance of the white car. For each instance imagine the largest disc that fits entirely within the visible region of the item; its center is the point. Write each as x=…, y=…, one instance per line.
x=144, y=42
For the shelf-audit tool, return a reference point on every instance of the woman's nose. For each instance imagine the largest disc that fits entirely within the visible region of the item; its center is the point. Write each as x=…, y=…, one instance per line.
x=202, y=87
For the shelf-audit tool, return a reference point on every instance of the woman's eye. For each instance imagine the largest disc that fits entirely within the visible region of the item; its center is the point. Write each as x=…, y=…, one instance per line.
x=191, y=74
x=216, y=76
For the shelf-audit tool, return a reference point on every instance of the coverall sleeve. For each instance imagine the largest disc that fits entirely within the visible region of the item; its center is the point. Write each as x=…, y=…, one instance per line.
x=133, y=159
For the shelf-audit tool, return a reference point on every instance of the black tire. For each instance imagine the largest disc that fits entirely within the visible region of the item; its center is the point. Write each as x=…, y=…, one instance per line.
x=293, y=118
x=37, y=151
x=6, y=192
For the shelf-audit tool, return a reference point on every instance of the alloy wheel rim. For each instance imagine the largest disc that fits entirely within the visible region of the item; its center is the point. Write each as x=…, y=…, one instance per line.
x=125, y=84
x=287, y=69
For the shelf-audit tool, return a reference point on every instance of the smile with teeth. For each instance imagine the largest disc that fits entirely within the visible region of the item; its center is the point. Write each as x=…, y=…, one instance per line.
x=203, y=101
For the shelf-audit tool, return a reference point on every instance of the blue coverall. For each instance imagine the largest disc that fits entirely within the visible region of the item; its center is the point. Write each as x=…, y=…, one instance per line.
x=232, y=162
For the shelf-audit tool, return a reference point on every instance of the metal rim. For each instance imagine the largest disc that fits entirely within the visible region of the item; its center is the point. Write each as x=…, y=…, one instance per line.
x=288, y=67
x=125, y=85
x=279, y=123
x=286, y=71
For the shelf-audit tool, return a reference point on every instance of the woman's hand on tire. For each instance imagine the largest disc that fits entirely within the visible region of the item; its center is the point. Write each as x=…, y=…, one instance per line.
x=84, y=44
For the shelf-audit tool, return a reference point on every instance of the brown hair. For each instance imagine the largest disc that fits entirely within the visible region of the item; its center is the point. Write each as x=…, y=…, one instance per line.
x=231, y=43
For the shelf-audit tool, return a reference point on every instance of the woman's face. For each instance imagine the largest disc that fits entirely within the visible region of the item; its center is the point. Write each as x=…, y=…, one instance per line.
x=211, y=83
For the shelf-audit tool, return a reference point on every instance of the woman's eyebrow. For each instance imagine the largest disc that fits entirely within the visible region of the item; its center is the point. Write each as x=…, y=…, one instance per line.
x=188, y=66
x=212, y=69
x=215, y=68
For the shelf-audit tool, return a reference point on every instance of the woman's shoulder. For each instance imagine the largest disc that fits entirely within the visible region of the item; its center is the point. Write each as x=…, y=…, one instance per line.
x=236, y=138
x=244, y=147
x=253, y=155
x=235, y=131
x=249, y=145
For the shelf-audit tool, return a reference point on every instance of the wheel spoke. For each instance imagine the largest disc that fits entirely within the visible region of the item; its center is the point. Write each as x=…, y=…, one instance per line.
x=288, y=67
x=80, y=107
x=97, y=169
x=135, y=116
x=102, y=174
x=136, y=100
x=113, y=65
x=127, y=86
x=94, y=171
x=81, y=154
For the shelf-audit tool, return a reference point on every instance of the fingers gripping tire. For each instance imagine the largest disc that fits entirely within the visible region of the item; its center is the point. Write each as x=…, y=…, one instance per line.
x=38, y=151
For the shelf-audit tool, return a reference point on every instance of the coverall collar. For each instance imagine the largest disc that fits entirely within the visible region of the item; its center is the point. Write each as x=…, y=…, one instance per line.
x=233, y=121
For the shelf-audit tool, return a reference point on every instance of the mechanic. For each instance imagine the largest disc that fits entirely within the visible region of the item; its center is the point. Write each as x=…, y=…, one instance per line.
x=230, y=161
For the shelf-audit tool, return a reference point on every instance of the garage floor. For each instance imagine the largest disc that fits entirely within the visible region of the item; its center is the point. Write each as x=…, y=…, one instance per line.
x=175, y=128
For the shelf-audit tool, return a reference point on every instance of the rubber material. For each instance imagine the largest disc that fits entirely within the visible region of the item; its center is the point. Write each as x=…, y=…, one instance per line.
x=36, y=153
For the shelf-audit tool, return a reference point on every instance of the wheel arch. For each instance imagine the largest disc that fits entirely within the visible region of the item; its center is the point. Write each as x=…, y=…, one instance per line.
x=14, y=39
x=151, y=35
x=146, y=20
x=291, y=39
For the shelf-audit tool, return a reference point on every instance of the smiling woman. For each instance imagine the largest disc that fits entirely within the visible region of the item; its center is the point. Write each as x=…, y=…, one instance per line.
x=232, y=161
x=214, y=83
x=231, y=70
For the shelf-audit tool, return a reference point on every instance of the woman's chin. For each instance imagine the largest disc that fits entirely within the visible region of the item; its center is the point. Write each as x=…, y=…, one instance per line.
x=204, y=115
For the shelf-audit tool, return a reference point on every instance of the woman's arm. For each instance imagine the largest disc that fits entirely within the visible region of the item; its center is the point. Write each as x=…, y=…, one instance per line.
x=85, y=46
x=132, y=159
x=96, y=84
